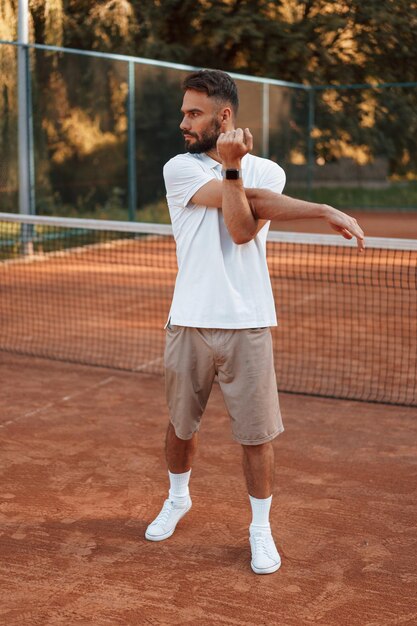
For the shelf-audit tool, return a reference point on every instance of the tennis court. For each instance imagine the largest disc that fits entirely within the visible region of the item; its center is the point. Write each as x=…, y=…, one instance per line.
x=83, y=420
x=82, y=476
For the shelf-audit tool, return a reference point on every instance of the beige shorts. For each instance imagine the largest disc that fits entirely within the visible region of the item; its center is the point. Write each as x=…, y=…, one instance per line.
x=244, y=363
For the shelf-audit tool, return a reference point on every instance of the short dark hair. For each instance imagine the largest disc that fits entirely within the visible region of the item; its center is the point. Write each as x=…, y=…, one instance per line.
x=216, y=84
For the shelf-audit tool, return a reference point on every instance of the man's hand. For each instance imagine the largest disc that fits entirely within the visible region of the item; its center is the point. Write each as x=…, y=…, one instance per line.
x=345, y=225
x=233, y=145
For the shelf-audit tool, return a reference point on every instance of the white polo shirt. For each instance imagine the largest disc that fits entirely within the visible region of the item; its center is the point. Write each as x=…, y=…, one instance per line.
x=219, y=284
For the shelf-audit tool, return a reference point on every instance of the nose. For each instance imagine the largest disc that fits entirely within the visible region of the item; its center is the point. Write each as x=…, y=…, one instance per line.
x=185, y=124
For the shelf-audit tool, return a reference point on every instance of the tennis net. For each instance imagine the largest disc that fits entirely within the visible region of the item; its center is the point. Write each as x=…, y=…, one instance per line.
x=99, y=292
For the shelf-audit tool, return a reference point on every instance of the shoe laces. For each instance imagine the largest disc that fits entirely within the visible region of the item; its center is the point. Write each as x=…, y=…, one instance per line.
x=261, y=546
x=166, y=511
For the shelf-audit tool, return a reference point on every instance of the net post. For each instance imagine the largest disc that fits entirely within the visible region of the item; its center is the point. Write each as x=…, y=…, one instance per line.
x=131, y=143
x=265, y=120
x=310, y=143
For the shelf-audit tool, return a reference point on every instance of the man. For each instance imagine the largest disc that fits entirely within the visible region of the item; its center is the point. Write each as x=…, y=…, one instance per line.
x=221, y=199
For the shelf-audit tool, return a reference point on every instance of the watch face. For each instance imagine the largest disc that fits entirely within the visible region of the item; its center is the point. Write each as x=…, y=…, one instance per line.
x=232, y=174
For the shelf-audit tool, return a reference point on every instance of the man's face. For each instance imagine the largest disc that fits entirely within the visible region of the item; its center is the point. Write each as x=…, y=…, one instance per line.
x=201, y=124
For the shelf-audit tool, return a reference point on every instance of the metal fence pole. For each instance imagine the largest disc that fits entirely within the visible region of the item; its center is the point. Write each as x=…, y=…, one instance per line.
x=25, y=129
x=131, y=143
x=23, y=105
x=310, y=144
x=265, y=120
x=31, y=139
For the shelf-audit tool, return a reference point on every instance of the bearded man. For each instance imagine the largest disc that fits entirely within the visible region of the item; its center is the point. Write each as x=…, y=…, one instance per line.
x=221, y=199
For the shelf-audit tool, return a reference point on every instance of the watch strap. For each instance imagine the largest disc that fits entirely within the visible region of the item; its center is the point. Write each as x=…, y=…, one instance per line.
x=231, y=174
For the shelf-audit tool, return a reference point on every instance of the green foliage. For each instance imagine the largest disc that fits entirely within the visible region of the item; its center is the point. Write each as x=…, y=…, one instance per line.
x=8, y=108
x=80, y=114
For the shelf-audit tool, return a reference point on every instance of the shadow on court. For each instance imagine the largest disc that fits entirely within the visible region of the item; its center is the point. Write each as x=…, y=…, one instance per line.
x=82, y=474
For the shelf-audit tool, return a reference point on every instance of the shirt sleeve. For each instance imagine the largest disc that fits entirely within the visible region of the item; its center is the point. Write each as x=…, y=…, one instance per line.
x=183, y=177
x=272, y=178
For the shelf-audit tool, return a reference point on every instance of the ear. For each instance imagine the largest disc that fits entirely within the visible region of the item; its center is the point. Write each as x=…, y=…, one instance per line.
x=226, y=116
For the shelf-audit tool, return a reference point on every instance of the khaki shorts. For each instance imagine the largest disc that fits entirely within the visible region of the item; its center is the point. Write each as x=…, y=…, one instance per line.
x=243, y=361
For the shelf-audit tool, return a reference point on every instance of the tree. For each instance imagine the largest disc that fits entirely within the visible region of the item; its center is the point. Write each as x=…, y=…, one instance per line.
x=80, y=115
x=8, y=107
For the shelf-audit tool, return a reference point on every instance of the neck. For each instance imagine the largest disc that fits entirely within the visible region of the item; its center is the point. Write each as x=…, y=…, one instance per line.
x=213, y=154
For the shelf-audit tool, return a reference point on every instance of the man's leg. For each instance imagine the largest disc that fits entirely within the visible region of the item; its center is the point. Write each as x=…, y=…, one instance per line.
x=189, y=376
x=179, y=455
x=248, y=382
x=258, y=467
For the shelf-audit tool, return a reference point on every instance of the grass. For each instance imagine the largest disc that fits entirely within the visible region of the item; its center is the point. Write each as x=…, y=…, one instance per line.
x=156, y=213
x=396, y=197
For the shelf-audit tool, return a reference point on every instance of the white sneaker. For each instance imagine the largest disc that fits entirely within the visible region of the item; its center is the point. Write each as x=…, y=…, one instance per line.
x=265, y=556
x=165, y=523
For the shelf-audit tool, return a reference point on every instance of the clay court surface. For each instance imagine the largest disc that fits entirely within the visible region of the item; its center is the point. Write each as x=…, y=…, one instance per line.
x=82, y=474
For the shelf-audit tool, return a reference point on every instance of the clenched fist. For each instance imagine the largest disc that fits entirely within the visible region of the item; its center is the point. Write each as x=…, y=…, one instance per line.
x=233, y=145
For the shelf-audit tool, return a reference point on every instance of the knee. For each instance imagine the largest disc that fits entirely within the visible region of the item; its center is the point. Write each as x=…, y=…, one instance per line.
x=173, y=437
x=260, y=448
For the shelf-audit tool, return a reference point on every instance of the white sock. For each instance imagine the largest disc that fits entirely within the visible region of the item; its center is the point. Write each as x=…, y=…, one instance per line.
x=179, y=491
x=260, y=513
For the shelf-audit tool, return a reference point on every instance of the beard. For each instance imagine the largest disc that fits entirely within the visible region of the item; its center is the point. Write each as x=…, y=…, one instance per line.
x=206, y=141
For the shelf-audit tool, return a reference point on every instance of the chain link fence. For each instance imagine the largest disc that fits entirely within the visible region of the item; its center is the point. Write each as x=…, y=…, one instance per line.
x=102, y=127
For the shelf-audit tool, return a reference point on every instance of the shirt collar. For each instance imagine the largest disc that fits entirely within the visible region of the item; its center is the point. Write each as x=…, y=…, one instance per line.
x=212, y=163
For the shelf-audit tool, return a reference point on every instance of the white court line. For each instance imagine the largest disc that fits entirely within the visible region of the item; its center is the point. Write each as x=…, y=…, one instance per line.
x=308, y=298
x=37, y=257
x=148, y=364
x=33, y=412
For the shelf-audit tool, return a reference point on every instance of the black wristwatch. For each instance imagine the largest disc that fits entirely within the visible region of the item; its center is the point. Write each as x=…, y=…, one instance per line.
x=231, y=174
